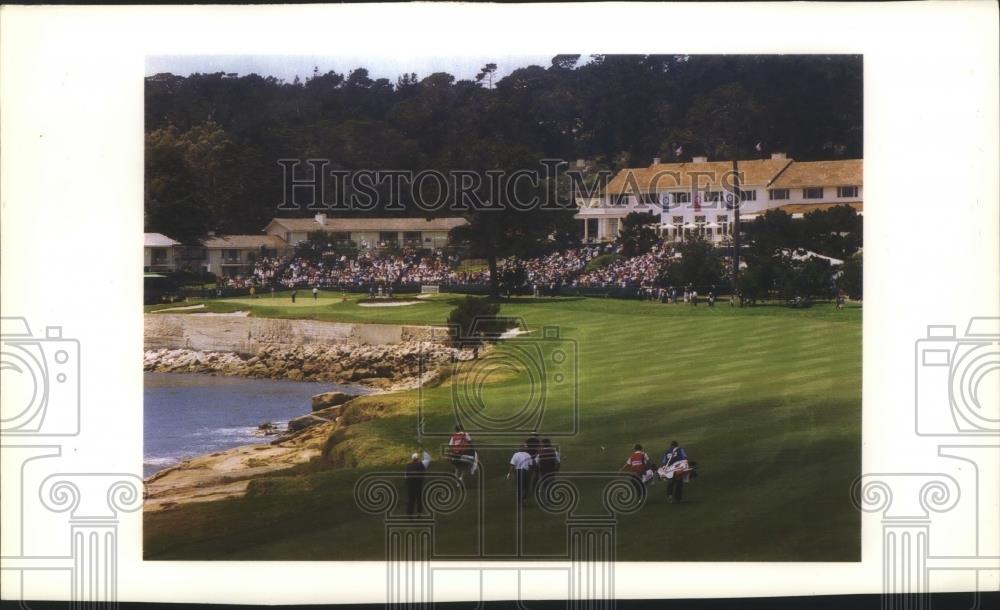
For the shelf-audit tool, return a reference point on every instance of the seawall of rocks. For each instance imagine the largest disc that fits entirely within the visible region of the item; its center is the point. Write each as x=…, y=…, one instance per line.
x=386, y=367
x=245, y=335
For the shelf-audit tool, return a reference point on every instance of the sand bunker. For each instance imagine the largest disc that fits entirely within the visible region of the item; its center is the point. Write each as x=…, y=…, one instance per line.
x=389, y=304
x=185, y=308
x=235, y=314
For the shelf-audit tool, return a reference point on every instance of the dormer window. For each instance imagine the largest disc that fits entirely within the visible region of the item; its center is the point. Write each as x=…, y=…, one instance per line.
x=812, y=192
x=847, y=191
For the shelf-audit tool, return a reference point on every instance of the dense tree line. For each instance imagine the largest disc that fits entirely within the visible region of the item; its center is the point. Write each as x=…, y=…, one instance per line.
x=213, y=140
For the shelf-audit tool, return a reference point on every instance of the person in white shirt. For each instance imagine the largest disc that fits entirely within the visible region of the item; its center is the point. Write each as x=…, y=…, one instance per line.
x=520, y=465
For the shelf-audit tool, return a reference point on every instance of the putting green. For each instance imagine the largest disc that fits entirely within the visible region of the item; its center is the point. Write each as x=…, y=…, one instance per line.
x=766, y=399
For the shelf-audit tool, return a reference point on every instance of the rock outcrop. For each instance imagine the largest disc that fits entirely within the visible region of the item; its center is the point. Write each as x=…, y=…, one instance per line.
x=385, y=367
x=329, y=399
x=227, y=474
x=321, y=416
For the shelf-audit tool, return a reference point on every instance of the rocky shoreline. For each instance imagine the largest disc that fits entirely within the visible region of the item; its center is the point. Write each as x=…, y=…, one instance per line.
x=387, y=367
x=228, y=474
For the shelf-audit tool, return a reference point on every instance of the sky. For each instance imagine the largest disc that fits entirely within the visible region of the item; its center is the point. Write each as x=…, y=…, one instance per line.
x=287, y=67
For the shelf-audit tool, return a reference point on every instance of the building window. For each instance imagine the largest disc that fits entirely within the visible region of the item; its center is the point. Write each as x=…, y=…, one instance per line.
x=723, y=222
x=778, y=194
x=682, y=197
x=231, y=256
x=159, y=256
x=613, y=227
x=748, y=196
x=699, y=222
x=621, y=199
x=713, y=196
x=388, y=236
x=649, y=199
x=847, y=191
x=812, y=192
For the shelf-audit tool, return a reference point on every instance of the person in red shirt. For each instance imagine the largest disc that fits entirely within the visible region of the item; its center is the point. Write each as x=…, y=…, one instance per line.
x=461, y=453
x=638, y=462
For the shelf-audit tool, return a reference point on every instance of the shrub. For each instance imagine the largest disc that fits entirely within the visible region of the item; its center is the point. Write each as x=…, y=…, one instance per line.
x=851, y=276
x=475, y=318
x=191, y=277
x=600, y=261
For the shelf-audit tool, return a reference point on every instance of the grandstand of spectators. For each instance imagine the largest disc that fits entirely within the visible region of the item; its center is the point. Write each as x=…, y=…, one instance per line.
x=632, y=272
x=545, y=273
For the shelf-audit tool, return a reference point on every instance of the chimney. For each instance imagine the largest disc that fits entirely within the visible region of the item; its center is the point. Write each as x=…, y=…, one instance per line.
x=656, y=160
x=778, y=156
x=699, y=160
x=321, y=219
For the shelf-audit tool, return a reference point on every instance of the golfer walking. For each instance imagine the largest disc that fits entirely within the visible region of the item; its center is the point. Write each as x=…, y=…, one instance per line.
x=520, y=466
x=414, y=475
x=637, y=464
x=673, y=457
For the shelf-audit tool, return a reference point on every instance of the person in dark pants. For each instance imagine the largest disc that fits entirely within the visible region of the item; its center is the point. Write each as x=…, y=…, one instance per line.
x=414, y=476
x=672, y=458
x=295, y=293
x=548, y=460
x=533, y=444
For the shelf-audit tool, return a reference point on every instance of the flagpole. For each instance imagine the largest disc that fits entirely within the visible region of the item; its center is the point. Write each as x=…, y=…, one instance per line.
x=736, y=223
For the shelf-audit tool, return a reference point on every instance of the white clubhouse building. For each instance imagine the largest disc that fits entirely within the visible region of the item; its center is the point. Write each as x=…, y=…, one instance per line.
x=696, y=197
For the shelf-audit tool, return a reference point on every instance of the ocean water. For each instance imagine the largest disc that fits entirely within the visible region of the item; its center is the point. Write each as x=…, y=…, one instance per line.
x=191, y=414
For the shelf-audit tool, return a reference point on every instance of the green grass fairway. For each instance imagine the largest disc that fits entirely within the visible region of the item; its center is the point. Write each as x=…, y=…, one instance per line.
x=332, y=306
x=766, y=399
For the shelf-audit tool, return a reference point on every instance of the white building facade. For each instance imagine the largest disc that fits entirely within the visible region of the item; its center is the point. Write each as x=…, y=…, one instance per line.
x=159, y=252
x=697, y=198
x=368, y=233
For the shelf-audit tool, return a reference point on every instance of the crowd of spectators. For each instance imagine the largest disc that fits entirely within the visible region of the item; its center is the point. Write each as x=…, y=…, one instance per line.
x=638, y=271
x=408, y=267
x=555, y=269
x=541, y=274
